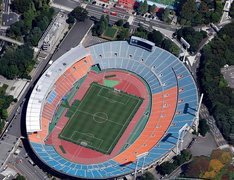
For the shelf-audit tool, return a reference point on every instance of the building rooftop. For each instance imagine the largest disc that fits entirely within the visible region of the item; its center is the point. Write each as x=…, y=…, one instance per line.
x=228, y=74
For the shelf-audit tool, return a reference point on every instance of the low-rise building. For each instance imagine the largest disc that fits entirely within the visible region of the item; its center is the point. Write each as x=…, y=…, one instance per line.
x=53, y=32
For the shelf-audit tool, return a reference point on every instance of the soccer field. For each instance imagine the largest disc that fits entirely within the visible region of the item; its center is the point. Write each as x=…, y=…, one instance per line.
x=100, y=118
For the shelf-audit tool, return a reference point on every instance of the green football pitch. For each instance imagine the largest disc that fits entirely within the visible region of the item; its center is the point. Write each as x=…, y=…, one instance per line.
x=100, y=118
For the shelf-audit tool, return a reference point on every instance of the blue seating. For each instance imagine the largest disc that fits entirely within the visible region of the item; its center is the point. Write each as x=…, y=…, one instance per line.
x=51, y=97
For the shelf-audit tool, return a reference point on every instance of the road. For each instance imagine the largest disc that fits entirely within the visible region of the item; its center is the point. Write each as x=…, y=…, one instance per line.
x=8, y=17
x=4, y=38
x=21, y=164
x=204, y=113
x=6, y=6
x=97, y=11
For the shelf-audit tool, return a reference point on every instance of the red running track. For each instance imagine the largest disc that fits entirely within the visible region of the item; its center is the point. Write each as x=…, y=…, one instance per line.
x=129, y=83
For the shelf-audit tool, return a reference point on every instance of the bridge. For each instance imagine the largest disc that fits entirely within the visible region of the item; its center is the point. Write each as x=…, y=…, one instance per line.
x=4, y=38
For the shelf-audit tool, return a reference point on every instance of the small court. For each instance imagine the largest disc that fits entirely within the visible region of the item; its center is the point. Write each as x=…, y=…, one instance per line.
x=100, y=118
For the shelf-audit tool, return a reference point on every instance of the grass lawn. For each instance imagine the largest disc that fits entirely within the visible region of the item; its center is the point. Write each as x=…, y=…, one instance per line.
x=100, y=118
x=110, y=33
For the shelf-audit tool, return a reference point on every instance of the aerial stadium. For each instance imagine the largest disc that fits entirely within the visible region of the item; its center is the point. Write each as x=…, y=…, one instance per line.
x=111, y=109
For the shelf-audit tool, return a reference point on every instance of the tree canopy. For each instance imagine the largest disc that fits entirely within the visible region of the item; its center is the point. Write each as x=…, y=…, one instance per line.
x=143, y=7
x=36, y=16
x=120, y=22
x=219, y=98
x=193, y=37
x=146, y=176
x=231, y=11
x=168, y=167
x=78, y=14
x=17, y=62
x=100, y=26
x=203, y=127
x=5, y=101
x=195, y=13
x=156, y=37
x=20, y=177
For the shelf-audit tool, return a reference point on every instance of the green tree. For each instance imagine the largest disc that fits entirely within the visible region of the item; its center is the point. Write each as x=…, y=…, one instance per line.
x=231, y=11
x=193, y=37
x=2, y=124
x=101, y=28
x=219, y=97
x=20, y=177
x=141, y=32
x=16, y=29
x=156, y=37
x=123, y=34
x=152, y=9
x=120, y=22
x=188, y=10
x=166, y=168
x=28, y=17
x=170, y=46
x=21, y=6
x=15, y=62
x=42, y=22
x=79, y=14
x=126, y=25
x=203, y=127
x=143, y=7
x=4, y=114
x=35, y=36
x=146, y=176
x=165, y=15
x=184, y=156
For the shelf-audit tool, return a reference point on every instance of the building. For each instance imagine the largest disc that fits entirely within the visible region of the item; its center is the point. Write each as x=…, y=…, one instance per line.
x=53, y=32
x=129, y=4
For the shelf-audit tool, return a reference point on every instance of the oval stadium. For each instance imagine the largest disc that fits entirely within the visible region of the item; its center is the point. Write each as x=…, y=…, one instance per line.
x=111, y=109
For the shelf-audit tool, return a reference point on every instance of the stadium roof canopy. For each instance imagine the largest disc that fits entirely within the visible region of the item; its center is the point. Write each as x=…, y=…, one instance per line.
x=45, y=83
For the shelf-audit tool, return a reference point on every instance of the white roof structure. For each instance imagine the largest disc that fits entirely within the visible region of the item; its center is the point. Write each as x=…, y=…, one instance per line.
x=46, y=82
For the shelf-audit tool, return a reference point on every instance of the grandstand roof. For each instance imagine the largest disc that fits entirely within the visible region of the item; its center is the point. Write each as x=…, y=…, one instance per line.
x=43, y=87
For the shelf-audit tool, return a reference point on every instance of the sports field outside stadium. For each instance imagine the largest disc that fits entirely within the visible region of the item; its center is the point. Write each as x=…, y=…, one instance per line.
x=100, y=118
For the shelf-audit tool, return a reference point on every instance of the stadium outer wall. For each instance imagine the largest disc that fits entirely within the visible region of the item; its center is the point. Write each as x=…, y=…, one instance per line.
x=161, y=137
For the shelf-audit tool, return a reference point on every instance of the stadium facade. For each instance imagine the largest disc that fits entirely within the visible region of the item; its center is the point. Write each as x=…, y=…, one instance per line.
x=173, y=107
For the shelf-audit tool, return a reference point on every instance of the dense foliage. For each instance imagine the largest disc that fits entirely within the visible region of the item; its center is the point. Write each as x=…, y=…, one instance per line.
x=203, y=127
x=20, y=177
x=194, y=13
x=142, y=7
x=231, y=11
x=36, y=16
x=218, y=96
x=78, y=14
x=217, y=166
x=146, y=176
x=100, y=26
x=193, y=37
x=168, y=167
x=17, y=62
x=5, y=101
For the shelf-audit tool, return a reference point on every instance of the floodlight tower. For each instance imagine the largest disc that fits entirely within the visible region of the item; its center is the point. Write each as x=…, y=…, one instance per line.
x=187, y=46
x=197, y=113
x=139, y=156
x=180, y=140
